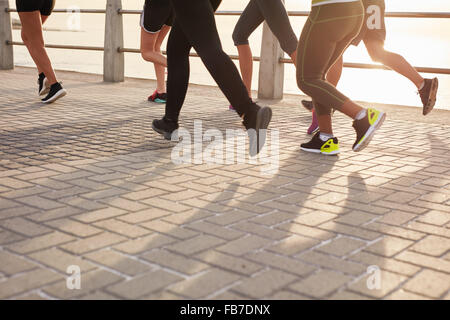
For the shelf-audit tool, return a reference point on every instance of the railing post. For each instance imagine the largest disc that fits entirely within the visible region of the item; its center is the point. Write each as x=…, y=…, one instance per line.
x=113, y=60
x=271, y=70
x=6, y=50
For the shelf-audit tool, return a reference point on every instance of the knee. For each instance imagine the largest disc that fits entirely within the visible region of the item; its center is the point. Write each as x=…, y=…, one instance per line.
x=303, y=85
x=377, y=55
x=146, y=55
x=239, y=38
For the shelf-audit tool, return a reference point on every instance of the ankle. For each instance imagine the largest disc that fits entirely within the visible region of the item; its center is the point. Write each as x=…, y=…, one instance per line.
x=361, y=114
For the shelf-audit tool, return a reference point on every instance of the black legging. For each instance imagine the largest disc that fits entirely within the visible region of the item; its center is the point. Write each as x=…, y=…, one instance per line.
x=274, y=13
x=195, y=26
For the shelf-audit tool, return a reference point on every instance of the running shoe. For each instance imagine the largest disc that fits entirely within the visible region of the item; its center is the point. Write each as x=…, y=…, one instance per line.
x=44, y=85
x=308, y=105
x=165, y=127
x=428, y=94
x=366, y=127
x=256, y=122
x=317, y=145
x=314, y=127
x=158, y=97
x=56, y=92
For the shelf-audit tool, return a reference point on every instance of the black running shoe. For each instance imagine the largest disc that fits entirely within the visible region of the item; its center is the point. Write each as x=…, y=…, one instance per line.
x=428, y=94
x=165, y=127
x=56, y=92
x=317, y=145
x=256, y=122
x=366, y=127
x=308, y=105
x=44, y=85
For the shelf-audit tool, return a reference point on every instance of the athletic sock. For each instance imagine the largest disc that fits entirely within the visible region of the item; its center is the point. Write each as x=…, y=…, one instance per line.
x=361, y=114
x=41, y=75
x=422, y=85
x=325, y=136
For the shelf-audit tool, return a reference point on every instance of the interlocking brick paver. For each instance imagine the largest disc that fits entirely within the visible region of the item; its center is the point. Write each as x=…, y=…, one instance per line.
x=430, y=283
x=94, y=186
x=60, y=260
x=205, y=284
x=12, y=264
x=90, y=281
x=264, y=284
x=320, y=284
x=225, y=261
x=341, y=246
x=42, y=242
x=389, y=246
x=175, y=262
x=388, y=282
x=117, y=261
x=27, y=281
x=96, y=242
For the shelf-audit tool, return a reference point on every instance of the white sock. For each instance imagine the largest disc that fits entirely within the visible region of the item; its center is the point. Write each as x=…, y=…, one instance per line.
x=422, y=85
x=325, y=136
x=361, y=114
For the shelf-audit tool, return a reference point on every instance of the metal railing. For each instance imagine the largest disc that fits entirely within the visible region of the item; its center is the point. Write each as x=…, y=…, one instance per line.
x=271, y=59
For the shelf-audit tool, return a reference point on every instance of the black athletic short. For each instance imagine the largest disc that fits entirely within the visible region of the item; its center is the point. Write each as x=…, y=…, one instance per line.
x=44, y=6
x=156, y=13
x=374, y=26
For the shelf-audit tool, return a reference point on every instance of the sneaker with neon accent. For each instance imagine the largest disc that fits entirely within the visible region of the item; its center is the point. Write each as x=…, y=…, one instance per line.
x=428, y=94
x=366, y=128
x=158, y=97
x=317, y=145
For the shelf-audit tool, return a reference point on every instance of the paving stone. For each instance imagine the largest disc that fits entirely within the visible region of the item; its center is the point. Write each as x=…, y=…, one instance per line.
x=96, y=242
x=12, y=264
x=195, y=245
x=264, y=284
x=147, y=243
x=205, y=284
x=341, y=246
x=320, y=284
x=432, y=245
x=225, y=261
x=429, y=283
x=28, y=281
x=90, y=282
x=60, y=260
x=117, y=261
x=42, y=242
x=144, y=285
x=388, y=282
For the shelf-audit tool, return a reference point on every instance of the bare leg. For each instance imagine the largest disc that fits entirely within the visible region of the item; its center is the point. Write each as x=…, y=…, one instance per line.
x=246, y=66
x=293, y=56
x=394, y=61
x=159, y=69
x=34, y=40
x=148, y=41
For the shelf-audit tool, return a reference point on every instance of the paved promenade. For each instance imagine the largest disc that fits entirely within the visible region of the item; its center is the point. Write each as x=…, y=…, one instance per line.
x=85, y=182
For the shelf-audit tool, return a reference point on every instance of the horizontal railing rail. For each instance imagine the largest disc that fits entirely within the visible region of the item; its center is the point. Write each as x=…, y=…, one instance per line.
x=430, y=15
x=280, y=59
